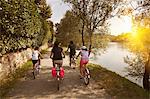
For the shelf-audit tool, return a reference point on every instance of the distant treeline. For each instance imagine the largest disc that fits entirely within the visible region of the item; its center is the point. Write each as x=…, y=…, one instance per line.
x=124, y=37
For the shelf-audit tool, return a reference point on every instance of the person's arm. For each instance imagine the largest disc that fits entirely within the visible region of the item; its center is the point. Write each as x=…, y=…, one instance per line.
x=68, y=48
x=78, y=54
x=63, y=54
x=89, y=52
x=40, y=55
x=51, y=54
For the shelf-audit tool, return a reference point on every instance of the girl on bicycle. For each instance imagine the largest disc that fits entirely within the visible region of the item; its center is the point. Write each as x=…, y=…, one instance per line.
x=36, y=57
x=84, y=59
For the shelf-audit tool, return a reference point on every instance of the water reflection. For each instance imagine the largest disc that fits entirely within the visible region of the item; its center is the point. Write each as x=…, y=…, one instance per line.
x=113, y=59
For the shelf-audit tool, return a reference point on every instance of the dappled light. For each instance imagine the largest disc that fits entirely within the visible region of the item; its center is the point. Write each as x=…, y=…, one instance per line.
x=84, y=49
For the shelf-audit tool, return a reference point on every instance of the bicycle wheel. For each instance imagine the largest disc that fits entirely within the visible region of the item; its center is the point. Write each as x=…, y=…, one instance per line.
x=86, y=77
x=33, y=74
x=58, y=83
x=58, y=77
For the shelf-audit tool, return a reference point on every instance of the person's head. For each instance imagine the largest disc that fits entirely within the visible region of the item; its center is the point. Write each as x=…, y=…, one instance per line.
x=56, y=44
x=71, y=42
x=84, y=48
x=36, y=48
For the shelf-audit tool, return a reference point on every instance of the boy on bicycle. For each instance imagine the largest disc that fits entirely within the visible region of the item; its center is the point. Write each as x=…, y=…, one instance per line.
x=72, y=49
x=84, y=59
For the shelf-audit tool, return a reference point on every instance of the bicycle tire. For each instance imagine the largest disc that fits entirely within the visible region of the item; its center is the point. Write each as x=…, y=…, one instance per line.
x=86, y=80
x=33, y=74
x=58, y=84
x=87, y=77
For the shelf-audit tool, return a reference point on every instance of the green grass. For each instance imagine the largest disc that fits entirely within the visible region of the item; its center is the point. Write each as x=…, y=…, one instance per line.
x=116, y=86
x=11, y=79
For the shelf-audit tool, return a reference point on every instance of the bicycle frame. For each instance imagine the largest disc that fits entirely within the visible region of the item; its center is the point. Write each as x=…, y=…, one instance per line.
x=86, y=74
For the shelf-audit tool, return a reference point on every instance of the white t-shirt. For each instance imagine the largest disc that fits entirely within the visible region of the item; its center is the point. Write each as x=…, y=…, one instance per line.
x=35, y=55
x=84, y=55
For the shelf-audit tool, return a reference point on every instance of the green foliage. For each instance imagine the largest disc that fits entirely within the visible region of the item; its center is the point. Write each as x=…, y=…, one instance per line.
x=124, y=37
x=68, y=29
x=22, y=25
x=93, y=14
x=45, y=10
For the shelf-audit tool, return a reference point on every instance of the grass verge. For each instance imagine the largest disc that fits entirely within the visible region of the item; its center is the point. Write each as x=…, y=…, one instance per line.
x=116, y=86
x=10, y=80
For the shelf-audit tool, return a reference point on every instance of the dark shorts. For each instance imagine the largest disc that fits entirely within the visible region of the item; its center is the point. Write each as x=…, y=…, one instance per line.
x=34, y=61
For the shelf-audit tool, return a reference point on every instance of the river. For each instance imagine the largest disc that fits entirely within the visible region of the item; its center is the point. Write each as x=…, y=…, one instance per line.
x=113, y=60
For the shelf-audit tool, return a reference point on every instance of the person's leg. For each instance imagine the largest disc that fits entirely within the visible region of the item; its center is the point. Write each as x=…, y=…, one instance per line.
x=81, y=68
x=70, y=59
x=33, y=62
x=53, y=61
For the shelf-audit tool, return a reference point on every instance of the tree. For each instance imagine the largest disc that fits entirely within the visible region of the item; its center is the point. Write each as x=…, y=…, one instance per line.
x=141, y=43
x=45, y=10
x=68, y=29
x=93, y=13
x=21, y=25
x=142, y=28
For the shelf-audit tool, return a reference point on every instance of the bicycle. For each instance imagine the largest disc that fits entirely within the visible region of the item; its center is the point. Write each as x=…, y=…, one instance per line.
x=58, y=74
x=36, y=70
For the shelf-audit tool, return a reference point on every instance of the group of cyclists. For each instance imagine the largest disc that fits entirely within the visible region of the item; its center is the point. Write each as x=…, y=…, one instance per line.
x=57, y=54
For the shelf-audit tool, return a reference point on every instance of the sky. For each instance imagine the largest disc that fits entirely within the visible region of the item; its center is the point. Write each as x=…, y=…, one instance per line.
x=120, y=25
x=58, y=9
x=117, y=26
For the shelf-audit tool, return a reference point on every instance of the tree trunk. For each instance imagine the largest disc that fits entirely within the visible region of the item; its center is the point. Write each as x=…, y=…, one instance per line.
x=90, y=46
x=146, y=83
x=82, y=34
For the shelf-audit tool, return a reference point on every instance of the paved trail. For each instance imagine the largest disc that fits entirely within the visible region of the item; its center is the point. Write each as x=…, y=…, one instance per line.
x=44, y=86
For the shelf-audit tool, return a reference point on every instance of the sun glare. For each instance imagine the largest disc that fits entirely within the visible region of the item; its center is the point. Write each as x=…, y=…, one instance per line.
x=121, y=25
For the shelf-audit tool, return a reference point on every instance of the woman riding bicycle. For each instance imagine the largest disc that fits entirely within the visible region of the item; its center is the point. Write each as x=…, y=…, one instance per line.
x=84, y=59
x=57, y=54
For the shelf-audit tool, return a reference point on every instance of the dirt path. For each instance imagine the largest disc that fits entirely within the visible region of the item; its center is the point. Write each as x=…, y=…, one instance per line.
x=44, y=86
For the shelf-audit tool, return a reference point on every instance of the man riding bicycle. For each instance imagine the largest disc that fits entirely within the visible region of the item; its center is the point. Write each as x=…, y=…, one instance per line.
x=72, y=49
x=84, y=59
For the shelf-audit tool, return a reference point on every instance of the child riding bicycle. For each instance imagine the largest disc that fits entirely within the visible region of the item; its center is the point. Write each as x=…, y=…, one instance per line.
x=84, y=59
x=36, y=57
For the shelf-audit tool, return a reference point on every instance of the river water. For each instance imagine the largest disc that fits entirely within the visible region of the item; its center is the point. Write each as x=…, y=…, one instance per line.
x=113, y=60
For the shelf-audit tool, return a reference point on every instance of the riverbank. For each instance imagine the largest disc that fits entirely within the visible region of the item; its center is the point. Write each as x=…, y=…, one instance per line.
x=103, y=84
x=116, y=86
